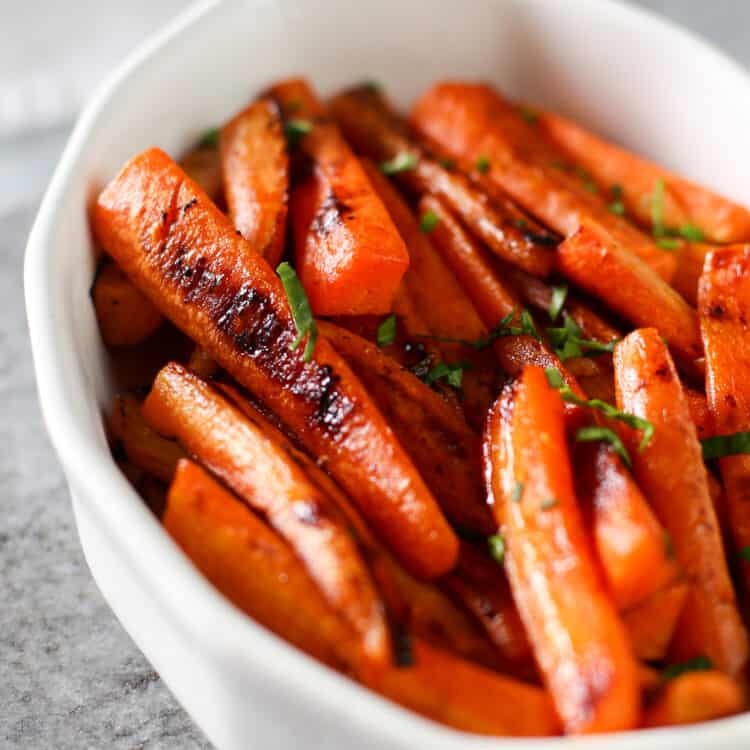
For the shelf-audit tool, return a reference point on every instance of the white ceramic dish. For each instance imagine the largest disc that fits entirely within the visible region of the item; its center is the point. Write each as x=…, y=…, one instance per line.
x=623, y=71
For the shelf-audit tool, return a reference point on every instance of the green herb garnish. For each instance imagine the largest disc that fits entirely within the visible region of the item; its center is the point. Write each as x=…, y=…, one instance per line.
x=586, y=180
x=745, y=554
x=568, y=342
x=698, y=664
x=448, y=164
x=559, y=295
x=496, y=546
x=301, y=312
x=295, y=130
x=452, y=374
x=386, y=333
x=667, y=243
x=617, y=207
x=517, y=493
x=428, y=221
x=549, y=503
x=528, y=115
x=605, y=435
x=692, y=233
x=405, y=161
x=210, y=139
x=657, y=209
x=726, y=445
x=483, y=165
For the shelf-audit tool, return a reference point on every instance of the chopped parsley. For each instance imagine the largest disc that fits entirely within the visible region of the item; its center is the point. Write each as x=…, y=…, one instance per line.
x=452, y=374
x=386, y=333
x=605, y=435
x=496, y=546
x=549, y=503
x=745, y=554
x=657, y=209
x=448, y=164
x=210, y=139
x=405, y=161
x=483, y=165
x=617, y=207
x=691, y=232
x=586, y=180
x=301, y=312
x=568, y=342
x=668, y=243
x=726, y=445
x=697, y=664
x=559, y=295
x=517, y=493
x=428, y=221
x=528, y=115
x=295, y=130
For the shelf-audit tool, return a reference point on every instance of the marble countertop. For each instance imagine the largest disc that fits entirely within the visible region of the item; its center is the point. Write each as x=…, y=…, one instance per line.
x=71, y=677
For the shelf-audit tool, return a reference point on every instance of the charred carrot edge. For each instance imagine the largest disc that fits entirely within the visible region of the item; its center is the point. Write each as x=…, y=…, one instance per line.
x=143, y=446
x=441, y=444
x=255, y=173
x=348, y=254
x=671, y=472
x=549, y=565
x=268, y=480
x=201, y=364
x=594, y=261
x=374, y=128
x=694, y=697
x=467, y=697
x=684, y=202
x=473, y=124
x=252, y=566
x=126, y=318
x=230, y=302
x=630, y=542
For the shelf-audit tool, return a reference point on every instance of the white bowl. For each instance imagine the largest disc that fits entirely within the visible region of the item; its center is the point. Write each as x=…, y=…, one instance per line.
x=623, y=71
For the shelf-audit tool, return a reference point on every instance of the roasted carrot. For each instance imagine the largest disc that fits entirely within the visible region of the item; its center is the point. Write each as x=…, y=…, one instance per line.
x=473, y=124
x=268, y=480
x=670, y=470
x=724, y=309
x=253, y=567
x=585, y=658
x=682, y=202
x=185, y=255
x=598, y=264
x=373, y=127
x=693, y=697
x=699, y=412
x=629, y=541
x=467, y=697
x=143, y=446
x=443, y=447
x=125, y=316
x=203, y=165
x=691, y=257
x=255, y=173
x=201, y=363
x=347, y=251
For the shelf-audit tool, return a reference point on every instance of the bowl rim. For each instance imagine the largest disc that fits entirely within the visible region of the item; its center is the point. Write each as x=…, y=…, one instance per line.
x=89, y=467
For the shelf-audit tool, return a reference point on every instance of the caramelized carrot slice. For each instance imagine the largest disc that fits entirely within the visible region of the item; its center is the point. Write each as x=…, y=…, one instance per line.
x=684, y=202
x=185, y=255
x=255, y=172
x=724, y=309
x=671, y=471
x=202, y=164
x=467, y=697
x=235, y=450
x=584, y=657
x=252, y=566
x=691, y=257
x=598, y=264
x=699, y=412
x=348, y=254
x=473, y=124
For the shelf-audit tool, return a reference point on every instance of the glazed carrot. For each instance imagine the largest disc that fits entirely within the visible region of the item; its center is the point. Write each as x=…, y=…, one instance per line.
x=467, y=697
x=125, y=316
x=693, y=697
x=629, y=541
x=202, y=364
x=699, y=412
x=724, y=309
x=252, y=566
x=595, y=262
x=369, y=122
x=143, y=446
x=585, y=658
x=268, y=480
x=683, y=202
x=443, y=447
x=202, y=277
x=671, y=472
x=691, y=257
x=203, y=165
x=255, y=173
x=473, y=124
x=348, y=254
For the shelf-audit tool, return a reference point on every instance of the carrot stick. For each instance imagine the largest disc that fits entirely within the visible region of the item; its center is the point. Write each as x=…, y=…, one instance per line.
x=370, y=123
x=202, y=164
x=202, y=276
x=255, y=173
x=671, y=471
x=595, y=262
x=201, y=364
x=694, y=697
x=349, y=255
x=699, y=412
x=467, y=697
x=691, y=257
x=724, y=310
x=444, y=449
x=684, y=202
x=252, y=566
x=505, y=155
x=126, y=318
x=585, y=658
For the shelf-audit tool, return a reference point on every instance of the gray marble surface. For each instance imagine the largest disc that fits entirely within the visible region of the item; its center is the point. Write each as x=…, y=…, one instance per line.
x=70, y=676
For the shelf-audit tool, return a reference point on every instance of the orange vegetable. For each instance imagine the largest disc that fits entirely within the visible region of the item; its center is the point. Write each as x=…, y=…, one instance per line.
x=348, y=254
x=724, y=309
x=255, y=172
x=693, y=697
x=691, y=257
x=684, y=202
x=671, y=472
x=699, y=412
x=473, y=124
x=202, y=276
x=202, y=364
x=467, y=697
x=584, y=655
x=125, y=316
x=203, y=165
x=253, y=567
